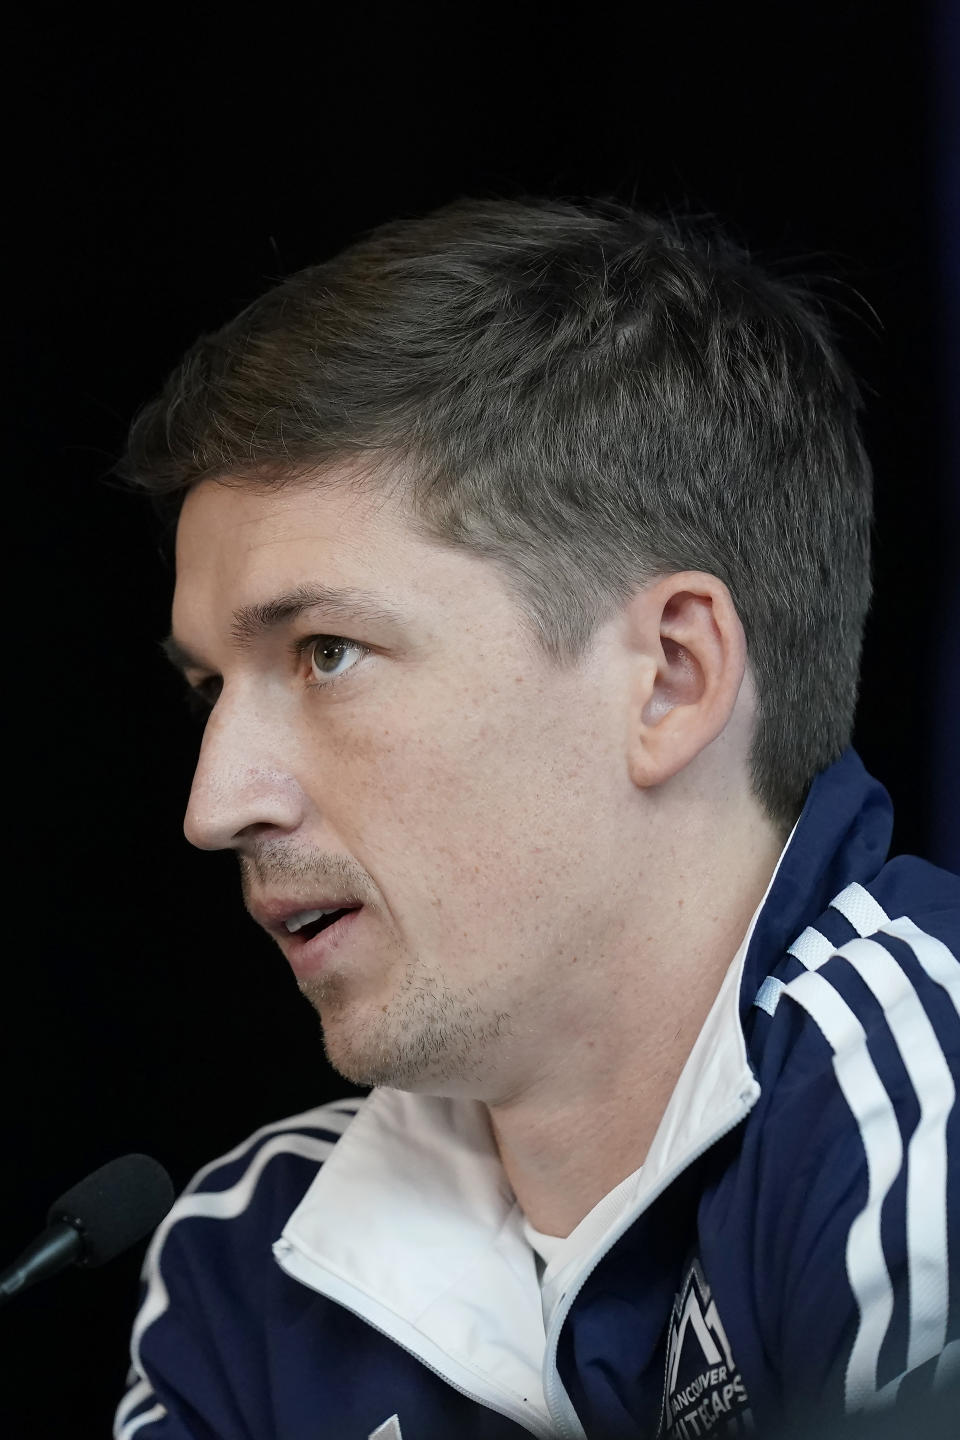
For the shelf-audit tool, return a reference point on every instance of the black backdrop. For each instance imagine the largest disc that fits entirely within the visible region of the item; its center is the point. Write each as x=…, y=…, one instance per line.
x=168, y=174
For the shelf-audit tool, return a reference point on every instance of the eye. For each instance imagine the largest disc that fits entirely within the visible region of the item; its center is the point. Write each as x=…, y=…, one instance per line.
x=332, y=656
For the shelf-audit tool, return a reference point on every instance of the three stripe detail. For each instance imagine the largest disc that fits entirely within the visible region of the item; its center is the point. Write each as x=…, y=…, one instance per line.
x=925, y=1157
x=222, y=1205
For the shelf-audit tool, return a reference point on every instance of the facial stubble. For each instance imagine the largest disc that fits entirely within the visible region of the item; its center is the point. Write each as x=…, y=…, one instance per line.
x=428, y=1034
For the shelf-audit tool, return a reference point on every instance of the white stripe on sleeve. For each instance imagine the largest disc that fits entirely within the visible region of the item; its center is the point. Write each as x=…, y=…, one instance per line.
x=139, y=1392
x=137, y=1423
x=859, y=907
x=225, y=1204
x=930, y=1076
x=220, y=1205
x=867, y=917
x=333, y=1117
x=880, y=1134
x=940, y=963
x=812, y=949
x=926, y=1214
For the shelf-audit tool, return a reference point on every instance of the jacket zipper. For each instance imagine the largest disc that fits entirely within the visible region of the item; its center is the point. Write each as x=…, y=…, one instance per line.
x=559, y=1405
x=298, y=1267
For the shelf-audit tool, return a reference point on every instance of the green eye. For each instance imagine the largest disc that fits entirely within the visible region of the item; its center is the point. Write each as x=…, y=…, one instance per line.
x=328, y=654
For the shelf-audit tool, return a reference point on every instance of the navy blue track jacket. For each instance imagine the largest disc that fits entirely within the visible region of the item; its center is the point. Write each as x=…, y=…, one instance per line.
x=791, y=1241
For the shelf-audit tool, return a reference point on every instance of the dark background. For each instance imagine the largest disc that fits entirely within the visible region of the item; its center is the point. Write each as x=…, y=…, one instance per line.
x=163, y=176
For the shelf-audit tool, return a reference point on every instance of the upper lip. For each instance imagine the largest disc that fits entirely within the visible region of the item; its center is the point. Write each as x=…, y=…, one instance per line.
x=272, y=911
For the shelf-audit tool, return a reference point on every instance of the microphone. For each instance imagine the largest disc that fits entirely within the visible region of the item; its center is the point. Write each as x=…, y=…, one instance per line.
x=97, y=1219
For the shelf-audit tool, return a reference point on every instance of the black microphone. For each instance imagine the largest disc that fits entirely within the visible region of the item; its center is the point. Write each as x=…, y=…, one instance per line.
x=97, y=1219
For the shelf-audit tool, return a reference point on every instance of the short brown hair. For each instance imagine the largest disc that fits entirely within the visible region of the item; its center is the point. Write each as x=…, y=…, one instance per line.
x=590, y=397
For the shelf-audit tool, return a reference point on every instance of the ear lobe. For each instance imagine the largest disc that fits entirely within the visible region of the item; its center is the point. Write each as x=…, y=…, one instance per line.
x=691, y=675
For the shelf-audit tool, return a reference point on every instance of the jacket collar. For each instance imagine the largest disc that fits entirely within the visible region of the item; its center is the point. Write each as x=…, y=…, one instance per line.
x=843, y=835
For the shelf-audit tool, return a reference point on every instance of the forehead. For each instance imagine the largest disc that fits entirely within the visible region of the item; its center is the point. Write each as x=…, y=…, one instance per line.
x=233, y=534
x=239, y=545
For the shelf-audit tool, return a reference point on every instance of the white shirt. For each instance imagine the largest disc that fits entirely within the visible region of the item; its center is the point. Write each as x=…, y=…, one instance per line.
x=554, y=1252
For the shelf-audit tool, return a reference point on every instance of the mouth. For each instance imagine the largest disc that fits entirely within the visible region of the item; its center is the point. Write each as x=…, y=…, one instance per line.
x=309, y=946
x=310, y=922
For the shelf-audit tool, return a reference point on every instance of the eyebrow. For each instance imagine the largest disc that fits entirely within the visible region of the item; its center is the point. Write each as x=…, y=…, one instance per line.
x=251, y=622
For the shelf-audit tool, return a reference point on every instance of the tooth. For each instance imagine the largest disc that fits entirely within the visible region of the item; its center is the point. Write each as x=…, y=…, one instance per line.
x=305, y=917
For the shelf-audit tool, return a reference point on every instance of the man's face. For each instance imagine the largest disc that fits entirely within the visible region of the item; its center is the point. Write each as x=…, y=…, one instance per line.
x=431, y=763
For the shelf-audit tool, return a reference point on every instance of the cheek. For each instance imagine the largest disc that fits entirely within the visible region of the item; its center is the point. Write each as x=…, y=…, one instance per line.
x=479, y=814
x=470, y=809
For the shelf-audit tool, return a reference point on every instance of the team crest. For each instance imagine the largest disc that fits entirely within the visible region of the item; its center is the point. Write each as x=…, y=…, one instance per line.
x=704, y=1393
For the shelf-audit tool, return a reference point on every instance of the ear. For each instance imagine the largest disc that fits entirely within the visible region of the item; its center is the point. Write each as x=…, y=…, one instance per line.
x=691, y=657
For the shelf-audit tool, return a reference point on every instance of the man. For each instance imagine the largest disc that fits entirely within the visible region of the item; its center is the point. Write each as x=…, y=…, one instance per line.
x=522, y=560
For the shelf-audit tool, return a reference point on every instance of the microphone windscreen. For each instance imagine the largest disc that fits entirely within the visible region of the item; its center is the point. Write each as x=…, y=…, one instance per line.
x=115, y=1206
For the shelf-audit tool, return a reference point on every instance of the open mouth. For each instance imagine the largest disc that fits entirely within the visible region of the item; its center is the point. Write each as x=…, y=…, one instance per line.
x=313, y=927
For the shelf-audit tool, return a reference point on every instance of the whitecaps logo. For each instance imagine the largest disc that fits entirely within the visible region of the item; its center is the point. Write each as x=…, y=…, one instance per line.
x=704, y=1392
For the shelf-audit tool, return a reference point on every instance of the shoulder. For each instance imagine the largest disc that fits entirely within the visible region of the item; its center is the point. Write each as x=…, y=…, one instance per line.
x=881, y=964
x=856, y=1043
x=309, y=1136
x=884, y=961
x=237, y=1205
x=269, y=1170
x=859, y=1034
x=211, y=1256
x=858, y=1134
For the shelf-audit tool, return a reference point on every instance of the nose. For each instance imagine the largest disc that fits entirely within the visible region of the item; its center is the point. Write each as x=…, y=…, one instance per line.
x=241, y=786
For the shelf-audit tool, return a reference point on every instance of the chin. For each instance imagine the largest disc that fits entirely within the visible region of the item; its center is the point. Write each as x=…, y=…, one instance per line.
x=360, y=1067
x=425, y=1038
x=364, y=1050
x=379, y=1058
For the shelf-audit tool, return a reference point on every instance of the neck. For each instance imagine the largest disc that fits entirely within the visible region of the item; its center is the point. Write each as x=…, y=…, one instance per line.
x=585, y=1121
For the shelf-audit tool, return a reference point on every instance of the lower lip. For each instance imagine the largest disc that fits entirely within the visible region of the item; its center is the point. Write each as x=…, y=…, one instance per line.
x=308, y=957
